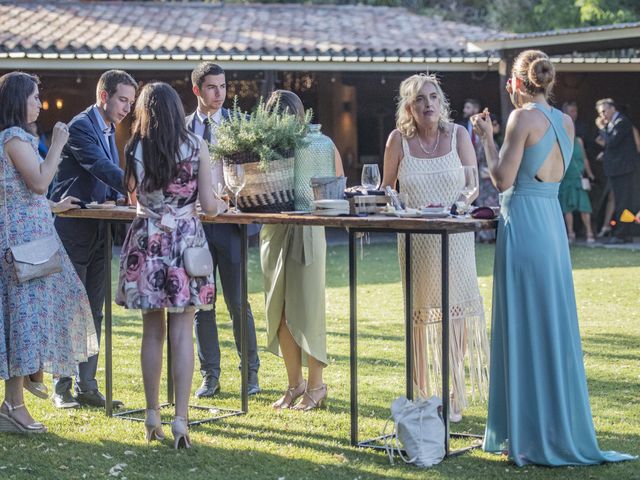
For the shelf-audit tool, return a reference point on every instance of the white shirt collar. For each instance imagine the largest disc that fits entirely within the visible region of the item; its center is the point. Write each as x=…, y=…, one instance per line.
x=216, y=117
x=106, y=129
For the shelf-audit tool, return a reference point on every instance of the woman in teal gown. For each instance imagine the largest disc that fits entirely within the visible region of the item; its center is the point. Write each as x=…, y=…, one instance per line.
x=539, y=410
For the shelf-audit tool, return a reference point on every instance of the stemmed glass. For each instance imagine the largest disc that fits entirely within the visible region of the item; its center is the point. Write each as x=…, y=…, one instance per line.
x=370, y=178
x=469, y=187
x=235, y=180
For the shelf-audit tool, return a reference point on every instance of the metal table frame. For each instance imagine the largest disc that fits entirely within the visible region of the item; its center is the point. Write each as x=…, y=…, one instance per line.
x=442, y=227
x=408, y=320
x=217, y=412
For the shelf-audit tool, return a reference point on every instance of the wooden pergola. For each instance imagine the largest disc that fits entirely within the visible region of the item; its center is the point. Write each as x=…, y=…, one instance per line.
x=578, y=46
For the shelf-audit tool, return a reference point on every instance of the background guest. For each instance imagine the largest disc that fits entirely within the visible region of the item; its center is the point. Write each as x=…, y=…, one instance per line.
x=293, y=268
x=167, y=170
x=573, y=197
x=90, y=171
x=425, y=154
x=620, y=164
x=45, y=322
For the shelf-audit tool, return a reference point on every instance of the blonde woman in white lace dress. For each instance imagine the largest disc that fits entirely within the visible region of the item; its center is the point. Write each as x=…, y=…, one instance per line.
x=424, y=154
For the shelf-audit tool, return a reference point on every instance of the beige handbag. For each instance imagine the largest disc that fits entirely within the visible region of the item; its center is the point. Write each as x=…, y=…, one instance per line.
x=198, y=261
x=34, y=259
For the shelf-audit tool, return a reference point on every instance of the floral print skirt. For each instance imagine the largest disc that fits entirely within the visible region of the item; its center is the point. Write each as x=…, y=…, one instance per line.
x=152, y=273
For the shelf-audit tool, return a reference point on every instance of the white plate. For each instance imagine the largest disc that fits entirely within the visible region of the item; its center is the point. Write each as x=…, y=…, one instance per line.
x=433, y=209
x=330, y=212
x=402, y=214
x=100, y=206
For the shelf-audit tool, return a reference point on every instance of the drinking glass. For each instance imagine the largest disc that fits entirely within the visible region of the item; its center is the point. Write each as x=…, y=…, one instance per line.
x=469, y=187
x=370, y=178
x=235, y=180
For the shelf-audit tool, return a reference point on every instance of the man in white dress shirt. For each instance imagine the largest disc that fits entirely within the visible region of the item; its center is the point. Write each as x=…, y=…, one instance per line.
x=209, y=87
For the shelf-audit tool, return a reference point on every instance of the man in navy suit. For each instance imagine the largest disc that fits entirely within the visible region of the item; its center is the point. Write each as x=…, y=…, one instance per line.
x=209, y=86
x=90, y=171
x=620, y=161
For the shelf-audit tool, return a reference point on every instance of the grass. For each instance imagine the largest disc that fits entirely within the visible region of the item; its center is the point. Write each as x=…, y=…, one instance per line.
x=292, y=445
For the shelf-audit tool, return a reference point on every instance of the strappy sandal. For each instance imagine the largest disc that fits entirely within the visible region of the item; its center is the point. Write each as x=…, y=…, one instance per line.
x=153, y=425
x=9, y=424
x=180, y=430
x=291, y=394
x=311, y=402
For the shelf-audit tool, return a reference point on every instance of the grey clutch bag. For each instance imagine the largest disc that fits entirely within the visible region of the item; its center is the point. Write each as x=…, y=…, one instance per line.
x=35, y=259
x=198, y=261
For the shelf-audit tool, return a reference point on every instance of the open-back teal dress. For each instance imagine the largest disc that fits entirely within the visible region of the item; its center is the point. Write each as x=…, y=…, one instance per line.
x=538, y=400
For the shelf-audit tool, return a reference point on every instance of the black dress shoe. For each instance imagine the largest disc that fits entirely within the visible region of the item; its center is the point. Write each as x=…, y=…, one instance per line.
x=65, y=400
x=93, y=398
x=210, y=386
x=253, y=386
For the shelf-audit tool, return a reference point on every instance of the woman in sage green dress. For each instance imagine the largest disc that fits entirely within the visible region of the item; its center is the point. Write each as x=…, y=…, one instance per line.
x=293, y=266
x=539, y=410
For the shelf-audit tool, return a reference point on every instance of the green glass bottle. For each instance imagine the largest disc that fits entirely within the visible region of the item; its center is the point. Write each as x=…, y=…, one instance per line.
x=316, y=159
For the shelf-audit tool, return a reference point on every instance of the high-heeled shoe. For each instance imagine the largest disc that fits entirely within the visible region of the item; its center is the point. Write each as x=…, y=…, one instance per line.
x=291, y=394
x=153, y=425
x=38, y=389
x=309, y=403
x=180, y=430
x=8, y=423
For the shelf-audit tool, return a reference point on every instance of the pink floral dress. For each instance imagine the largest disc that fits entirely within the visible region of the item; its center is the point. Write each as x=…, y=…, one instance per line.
x=152, y=273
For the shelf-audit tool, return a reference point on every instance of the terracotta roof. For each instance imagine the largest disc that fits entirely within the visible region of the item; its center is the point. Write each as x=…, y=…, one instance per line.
x=250, y=32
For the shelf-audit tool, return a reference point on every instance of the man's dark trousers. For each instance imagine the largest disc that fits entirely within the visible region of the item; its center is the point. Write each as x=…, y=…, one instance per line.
x=84, y=242
x=224, y=242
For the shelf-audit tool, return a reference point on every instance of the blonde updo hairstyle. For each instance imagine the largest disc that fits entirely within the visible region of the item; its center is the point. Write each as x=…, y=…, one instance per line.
x=409, y=90
x=536, y=71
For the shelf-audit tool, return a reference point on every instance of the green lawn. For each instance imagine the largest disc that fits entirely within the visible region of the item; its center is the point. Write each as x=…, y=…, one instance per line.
x=293, y=445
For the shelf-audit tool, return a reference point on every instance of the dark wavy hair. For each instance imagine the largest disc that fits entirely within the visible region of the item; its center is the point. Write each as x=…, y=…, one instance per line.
x=15, y=89
x=160, y=128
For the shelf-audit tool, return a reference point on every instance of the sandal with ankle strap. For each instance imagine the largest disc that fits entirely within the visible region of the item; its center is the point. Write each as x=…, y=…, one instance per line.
x=153, y=425
x=9, y=424
x=180, y=430
x=312, y=402
x=291, y=394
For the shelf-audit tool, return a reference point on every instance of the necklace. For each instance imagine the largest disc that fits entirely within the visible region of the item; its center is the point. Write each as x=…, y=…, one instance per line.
x=435, y=147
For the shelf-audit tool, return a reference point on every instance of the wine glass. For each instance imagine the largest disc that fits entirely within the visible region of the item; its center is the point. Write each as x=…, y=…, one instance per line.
x=370, y=178
x=235, y=180
x=469, y=187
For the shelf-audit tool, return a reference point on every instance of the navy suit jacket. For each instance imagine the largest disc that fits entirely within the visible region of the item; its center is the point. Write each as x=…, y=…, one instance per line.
x=620, y=151
x=252, y=229
x=87, y=170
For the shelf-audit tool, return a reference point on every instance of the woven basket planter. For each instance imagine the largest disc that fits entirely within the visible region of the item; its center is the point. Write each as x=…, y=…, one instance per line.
x=268, y=190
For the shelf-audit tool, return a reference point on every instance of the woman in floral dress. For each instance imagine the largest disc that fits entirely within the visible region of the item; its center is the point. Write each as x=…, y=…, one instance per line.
x=46, y=322
x=167, y=170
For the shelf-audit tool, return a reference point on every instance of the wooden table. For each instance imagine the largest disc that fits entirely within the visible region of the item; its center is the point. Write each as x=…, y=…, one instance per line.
x=442, y=227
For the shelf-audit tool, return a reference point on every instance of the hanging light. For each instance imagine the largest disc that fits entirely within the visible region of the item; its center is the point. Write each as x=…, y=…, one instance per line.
x=59, y=103
x=45, y=105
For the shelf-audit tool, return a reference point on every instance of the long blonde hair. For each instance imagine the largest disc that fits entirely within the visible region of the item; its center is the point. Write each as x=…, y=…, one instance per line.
x=409, y=89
